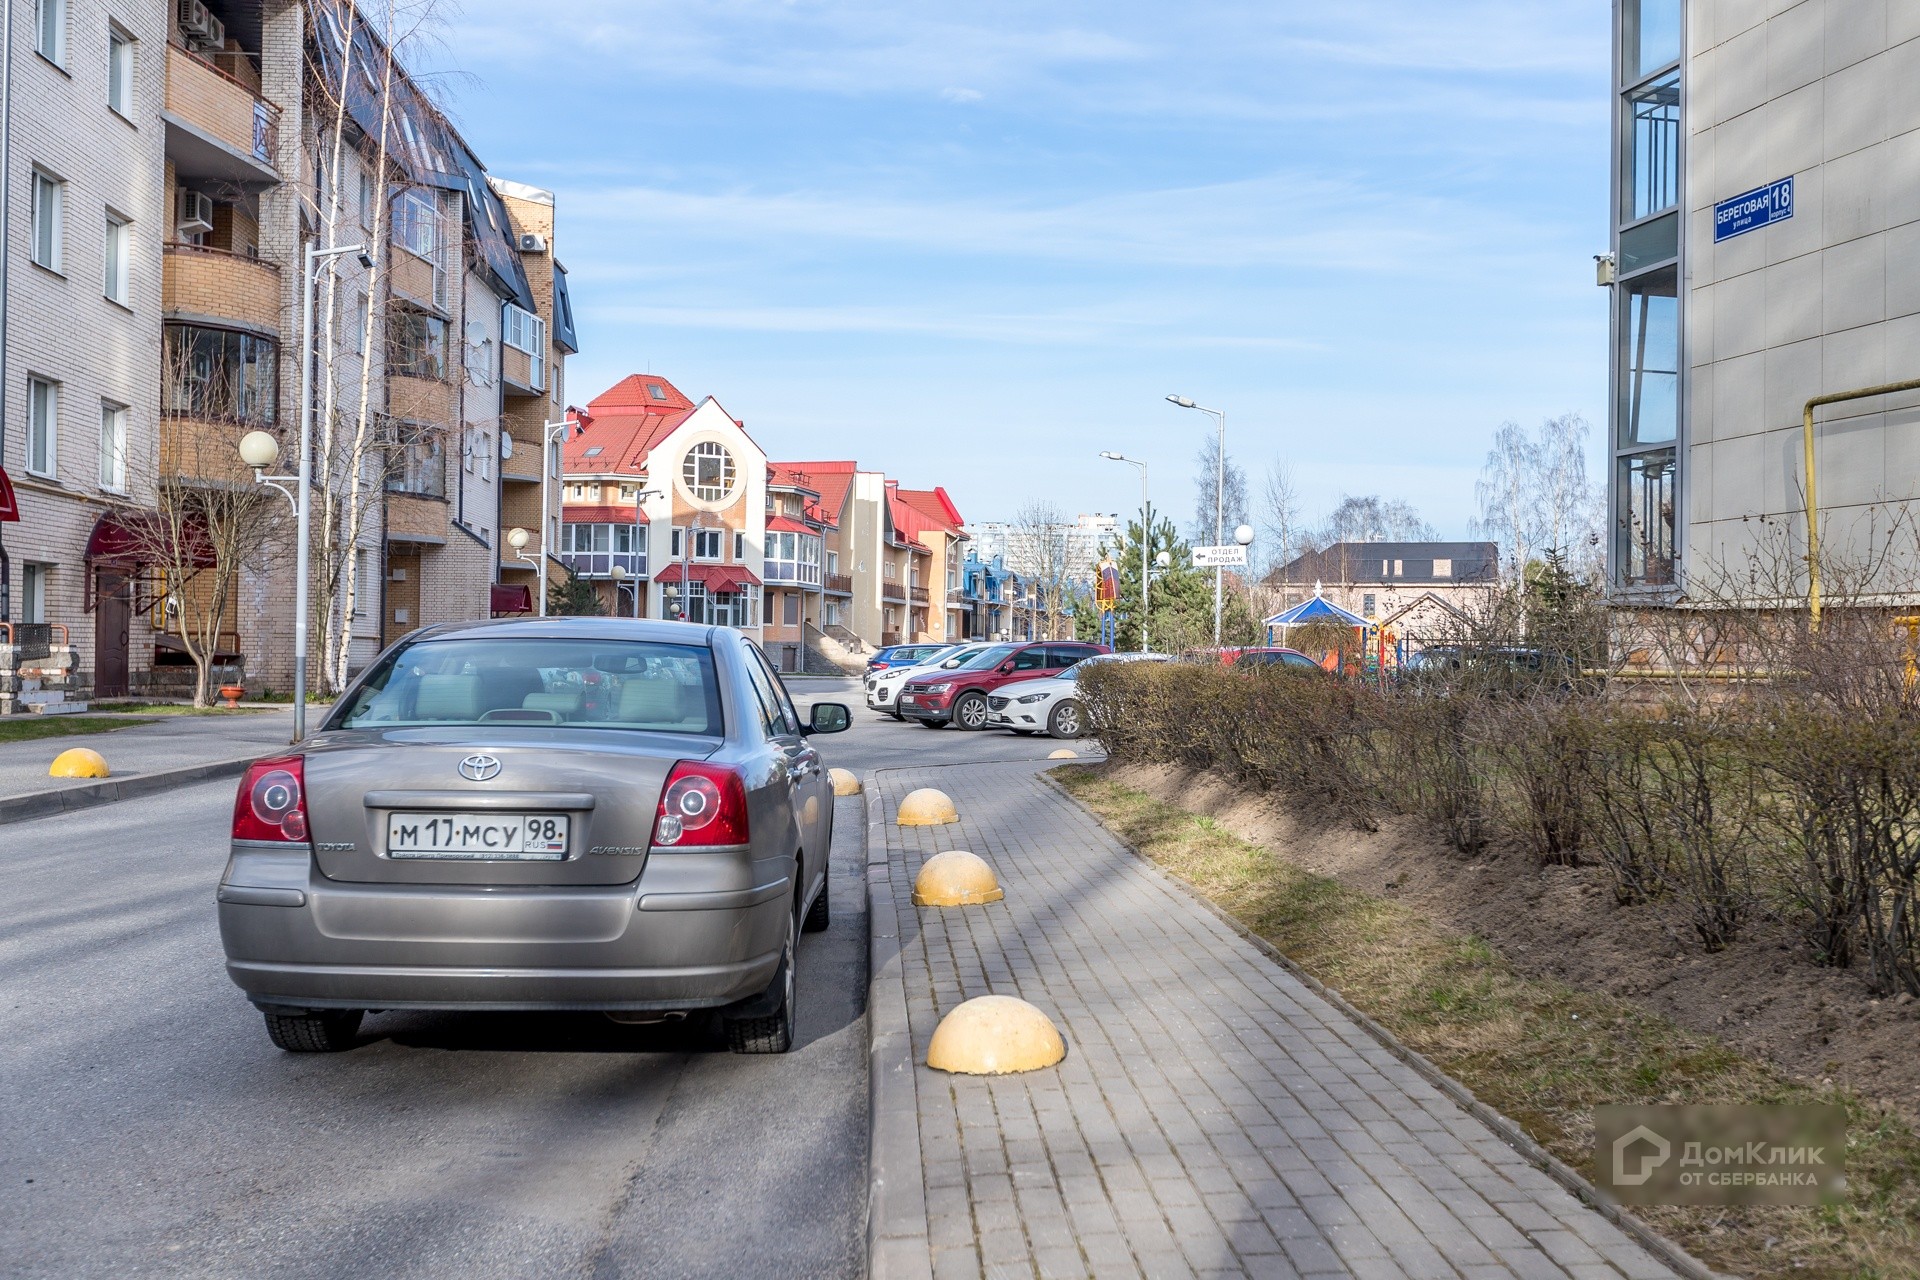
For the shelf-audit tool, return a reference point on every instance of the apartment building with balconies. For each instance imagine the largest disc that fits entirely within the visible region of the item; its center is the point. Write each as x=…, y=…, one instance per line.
x=937, y=525
x=795, y=566
x=683, y=488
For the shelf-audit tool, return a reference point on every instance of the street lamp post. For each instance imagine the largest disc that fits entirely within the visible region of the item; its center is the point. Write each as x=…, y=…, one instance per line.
x=1219, y=503
x=1146, y=535
x=619, y=575
x=259, y=450
x=575, y=421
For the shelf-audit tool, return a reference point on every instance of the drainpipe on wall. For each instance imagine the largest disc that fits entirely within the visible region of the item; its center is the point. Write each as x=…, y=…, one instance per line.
x=6, y=253
x=1813, y=502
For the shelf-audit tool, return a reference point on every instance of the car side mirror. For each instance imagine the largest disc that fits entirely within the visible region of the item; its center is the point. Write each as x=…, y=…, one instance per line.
x=829, y=717
x=1006, y=668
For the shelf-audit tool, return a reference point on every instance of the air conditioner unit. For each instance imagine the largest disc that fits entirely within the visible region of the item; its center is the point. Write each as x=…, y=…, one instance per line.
x=532, y=242
x=196, y=212
x=194, y=18
x=216, y=34
x=396, y=575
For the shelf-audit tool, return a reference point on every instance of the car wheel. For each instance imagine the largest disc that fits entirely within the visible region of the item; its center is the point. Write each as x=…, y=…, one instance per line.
x=770, y=1032
x=971, y=713
x=1065, y=721
x=933, y=724
x=1026, y=733
x=327, y=1031
x=896, y=715
x=819, y=915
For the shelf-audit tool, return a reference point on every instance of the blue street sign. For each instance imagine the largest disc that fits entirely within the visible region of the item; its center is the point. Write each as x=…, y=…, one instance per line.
x=1760, y=207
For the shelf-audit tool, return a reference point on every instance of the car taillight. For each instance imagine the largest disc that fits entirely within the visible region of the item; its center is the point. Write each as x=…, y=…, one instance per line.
x=703, y=805
x=272, y=803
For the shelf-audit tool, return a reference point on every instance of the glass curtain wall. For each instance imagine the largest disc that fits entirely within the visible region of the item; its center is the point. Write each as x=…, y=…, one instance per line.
x=1646, y=359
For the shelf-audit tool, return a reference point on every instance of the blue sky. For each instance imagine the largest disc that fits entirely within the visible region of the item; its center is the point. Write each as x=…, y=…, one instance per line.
x=976, y=244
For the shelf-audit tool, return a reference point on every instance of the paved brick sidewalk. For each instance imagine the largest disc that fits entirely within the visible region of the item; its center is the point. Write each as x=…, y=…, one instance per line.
x=1213, y=1116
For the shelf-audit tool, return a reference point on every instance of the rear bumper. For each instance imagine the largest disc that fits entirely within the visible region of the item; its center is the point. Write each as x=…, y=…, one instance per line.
x=694, y=931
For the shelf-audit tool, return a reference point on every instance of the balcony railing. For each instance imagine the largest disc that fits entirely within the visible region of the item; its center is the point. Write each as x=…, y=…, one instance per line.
x=893, y=591
x=221, y=107
x=958, y=597
x=216, y=284
x=791, y=572
x=920, y=595
x=841, y=584
x=601, y=564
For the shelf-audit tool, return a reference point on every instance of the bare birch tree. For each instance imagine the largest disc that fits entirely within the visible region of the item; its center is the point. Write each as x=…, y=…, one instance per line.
x=1038, y=549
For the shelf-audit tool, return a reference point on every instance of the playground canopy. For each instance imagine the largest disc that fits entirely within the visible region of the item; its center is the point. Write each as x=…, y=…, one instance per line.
x=1318, y=609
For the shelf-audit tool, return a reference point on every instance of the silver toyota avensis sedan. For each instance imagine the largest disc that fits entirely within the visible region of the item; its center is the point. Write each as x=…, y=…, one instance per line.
x=564, y=813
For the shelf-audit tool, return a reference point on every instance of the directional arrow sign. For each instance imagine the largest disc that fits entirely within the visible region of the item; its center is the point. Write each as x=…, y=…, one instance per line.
x=1231, y=556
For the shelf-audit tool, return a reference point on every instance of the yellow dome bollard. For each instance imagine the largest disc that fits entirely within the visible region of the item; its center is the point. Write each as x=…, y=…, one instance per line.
x=956, y=878
x=78, y=762
x=995, y=1036
x=927, y=808
x=845, y=782
x=1063, y=754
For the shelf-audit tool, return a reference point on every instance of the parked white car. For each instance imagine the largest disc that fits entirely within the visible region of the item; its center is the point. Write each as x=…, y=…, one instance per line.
x=883, y=686
x=1052, y=704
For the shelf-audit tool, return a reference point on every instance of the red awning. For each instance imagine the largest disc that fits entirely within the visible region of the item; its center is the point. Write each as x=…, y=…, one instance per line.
x=9, y=505
x=717, y=577
x=511, y=599
x=133, y=539
x=787, y=524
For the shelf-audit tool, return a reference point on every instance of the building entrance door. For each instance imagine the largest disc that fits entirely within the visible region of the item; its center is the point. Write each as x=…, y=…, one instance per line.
x=112, y=616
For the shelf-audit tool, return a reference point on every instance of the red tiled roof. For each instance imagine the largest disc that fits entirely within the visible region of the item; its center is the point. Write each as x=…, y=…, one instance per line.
x=635, y=391
x=935, y=505
x=782, y=475
x=787, y=524
x=832, y=480
x=627, y=421
x=589, y=514
x=718, y=577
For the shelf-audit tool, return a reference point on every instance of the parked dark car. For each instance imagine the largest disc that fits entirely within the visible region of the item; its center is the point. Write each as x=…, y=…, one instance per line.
x=1490, y=669
x=903, y=655
x=1289, y=660
x=960, y=696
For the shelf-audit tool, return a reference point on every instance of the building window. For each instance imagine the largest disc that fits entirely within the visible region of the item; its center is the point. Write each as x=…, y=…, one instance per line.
x=1652, y=149
x=416, y=223
x=418, y=462
x=50, y=31
x=33, y=592
x=49, y=201
x=1651, y=38
x=1650, y=359
x=119, y=242
x=1443, y=568
x=113, y=447
x=706, y=544
x=790, y=608
x=739, y=548
x=1366, y=606
x=120, y=72
x=524, y=331
x=221, y=375
x=708, y=471
x=366, y=197
x=43, y=426
x=674, y=544
x=416, y=344
x=657, y=391
x=766, y=615
x=1645, y=546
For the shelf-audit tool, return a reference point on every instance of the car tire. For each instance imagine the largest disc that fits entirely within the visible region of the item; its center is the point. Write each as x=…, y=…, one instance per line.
x=770, y=1032
x=1026, y=733
x=819, y=915
x=933, y=724
x=970, y=713
x=324, y=1031
x=897, y=716
x=1066, y=720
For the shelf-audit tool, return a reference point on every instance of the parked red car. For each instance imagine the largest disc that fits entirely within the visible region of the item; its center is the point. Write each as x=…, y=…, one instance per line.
x=960, y=696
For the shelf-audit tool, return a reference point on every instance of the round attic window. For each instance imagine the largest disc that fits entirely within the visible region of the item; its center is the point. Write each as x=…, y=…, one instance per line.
x=708, y=471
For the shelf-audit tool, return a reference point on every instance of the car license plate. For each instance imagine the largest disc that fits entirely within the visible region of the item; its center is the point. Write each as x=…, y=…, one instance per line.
x=520, y=837
x=908, y=699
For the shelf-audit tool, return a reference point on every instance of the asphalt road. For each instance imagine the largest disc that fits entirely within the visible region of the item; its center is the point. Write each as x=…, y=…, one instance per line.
x=147, y=1127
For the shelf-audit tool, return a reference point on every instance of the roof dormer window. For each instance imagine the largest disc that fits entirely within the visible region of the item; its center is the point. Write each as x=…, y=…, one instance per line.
x=657, y=391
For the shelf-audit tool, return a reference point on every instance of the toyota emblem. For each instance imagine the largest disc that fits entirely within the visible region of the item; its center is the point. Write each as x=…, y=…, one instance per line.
x=479, y=768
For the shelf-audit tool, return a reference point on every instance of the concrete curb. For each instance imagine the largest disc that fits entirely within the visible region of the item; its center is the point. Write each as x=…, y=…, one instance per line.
x=897, y=1233
x=1511, y=1133
x=40, y=804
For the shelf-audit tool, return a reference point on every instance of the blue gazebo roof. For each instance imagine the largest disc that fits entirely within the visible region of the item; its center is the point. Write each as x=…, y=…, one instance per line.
x=1318, y=609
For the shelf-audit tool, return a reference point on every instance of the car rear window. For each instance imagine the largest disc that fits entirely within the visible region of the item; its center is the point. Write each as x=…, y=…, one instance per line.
x=594, y=684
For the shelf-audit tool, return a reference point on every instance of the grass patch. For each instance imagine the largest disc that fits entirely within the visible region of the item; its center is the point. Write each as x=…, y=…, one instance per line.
x=33, y=728
x=1539, y=1051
